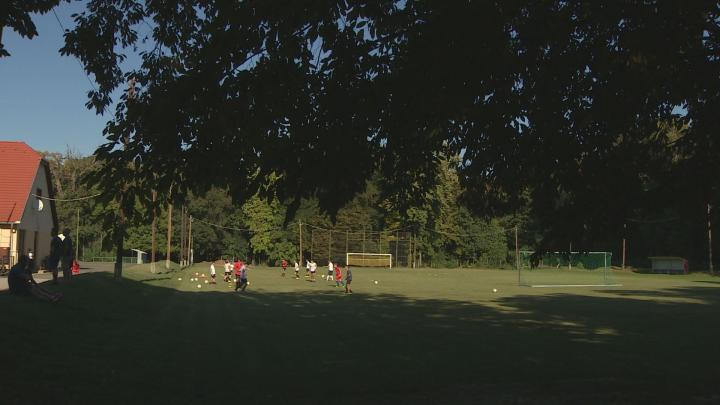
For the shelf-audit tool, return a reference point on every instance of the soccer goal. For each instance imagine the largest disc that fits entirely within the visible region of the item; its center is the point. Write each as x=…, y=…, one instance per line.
x=369, y=259
x=563, y=269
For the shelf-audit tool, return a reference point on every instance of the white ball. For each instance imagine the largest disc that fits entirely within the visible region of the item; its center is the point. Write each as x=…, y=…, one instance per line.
x=199, y=285
x=376, y=282
x=179, y=278
x=206, y=281
x=494, y=290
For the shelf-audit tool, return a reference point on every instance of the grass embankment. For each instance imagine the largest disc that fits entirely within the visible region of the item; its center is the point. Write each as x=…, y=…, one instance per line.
x=418, y=336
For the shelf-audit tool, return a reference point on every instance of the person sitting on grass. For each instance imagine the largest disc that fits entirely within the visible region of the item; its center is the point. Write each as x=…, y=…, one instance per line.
x=21, y=282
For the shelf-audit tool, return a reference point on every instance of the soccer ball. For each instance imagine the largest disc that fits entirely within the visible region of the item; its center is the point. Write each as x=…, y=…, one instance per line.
x=376, y=281
x=199, y=285
x=179, y=278
x=206, y=281
x=495, y=290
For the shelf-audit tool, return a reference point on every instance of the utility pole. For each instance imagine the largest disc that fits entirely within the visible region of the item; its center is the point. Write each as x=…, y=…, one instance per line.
x=397, y=242
x=189, y=243
x=77, y=235
x=120, y=224
x=182, y=235
x=624, y=245
x=301, y=248
x=330, y=247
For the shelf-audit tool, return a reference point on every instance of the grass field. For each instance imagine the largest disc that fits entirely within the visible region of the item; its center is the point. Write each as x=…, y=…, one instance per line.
x=418, y=336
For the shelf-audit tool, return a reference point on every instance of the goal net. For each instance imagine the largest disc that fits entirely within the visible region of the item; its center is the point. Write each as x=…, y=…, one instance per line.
x=563, y=269
x=369, y=259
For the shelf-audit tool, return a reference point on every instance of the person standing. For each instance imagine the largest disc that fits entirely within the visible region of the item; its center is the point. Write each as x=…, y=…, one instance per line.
x=226, y=274
x=243, y=277
x=237, y=268
x=56, y=247
x=338, y=275
x=283, y=264
x=329, y=276
x=348, y=280
x=212, y=273
x=68, y=254
x=297, y=270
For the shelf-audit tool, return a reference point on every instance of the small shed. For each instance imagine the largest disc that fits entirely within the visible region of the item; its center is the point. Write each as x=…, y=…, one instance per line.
x=668, y=264
x=141, y=256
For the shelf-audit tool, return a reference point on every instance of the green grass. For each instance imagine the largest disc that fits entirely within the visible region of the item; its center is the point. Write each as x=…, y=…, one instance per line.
x=418, y=336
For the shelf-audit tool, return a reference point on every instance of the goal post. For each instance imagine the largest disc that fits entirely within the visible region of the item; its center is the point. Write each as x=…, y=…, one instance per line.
x=563, y=269
x=369, y=259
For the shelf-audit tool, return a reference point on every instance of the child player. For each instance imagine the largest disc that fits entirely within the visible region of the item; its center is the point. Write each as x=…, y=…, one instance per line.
x=284, y=266
x=226, y=277
x=243, y=277
x=237, y=268
x=329, y=276
x=297, y=270
x=348, y=280
x=338, y=275
x=212, y=273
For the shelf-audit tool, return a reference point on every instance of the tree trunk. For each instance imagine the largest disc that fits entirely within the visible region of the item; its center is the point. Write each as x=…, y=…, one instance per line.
x=709, y=230
x=169, y=237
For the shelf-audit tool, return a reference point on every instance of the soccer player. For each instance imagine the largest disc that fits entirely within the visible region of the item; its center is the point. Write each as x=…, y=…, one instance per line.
x=243, y=277
x=212, y=273
x=237, y=268
x=226, y=277
x=329, y=276
x=297, y=270
x=338, y=275
x=313, y=269
x=283, y=264
x=348, y=280
x=307, y=268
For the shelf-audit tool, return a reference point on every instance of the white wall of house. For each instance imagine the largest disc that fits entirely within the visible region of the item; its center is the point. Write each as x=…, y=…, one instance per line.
x=8, y=239
x=35, y=228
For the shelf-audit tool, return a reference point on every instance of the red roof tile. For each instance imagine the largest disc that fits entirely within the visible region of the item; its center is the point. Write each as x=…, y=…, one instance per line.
x=18, y=166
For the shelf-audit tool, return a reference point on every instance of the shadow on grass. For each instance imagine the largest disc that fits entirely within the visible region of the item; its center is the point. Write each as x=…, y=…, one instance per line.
x=133, y=341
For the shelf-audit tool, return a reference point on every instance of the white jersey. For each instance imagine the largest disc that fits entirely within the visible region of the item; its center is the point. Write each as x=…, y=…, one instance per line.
x=313, y=267
x=330, y=266
x=227, y=267
x=297, y=266
x=212, y=269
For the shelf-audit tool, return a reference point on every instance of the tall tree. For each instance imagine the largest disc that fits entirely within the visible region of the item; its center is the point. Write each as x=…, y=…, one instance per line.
x=552, y=96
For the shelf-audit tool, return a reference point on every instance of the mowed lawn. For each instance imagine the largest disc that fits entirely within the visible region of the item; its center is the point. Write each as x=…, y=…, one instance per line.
x=417, y=336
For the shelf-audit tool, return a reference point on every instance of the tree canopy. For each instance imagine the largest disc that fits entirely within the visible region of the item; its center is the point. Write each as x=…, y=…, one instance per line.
x=561, y=101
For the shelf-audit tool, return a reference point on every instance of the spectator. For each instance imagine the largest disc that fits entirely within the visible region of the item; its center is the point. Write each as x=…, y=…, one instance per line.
x=21, y=282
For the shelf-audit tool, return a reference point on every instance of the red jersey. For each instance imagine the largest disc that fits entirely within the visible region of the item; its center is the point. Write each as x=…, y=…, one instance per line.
x=284, y=264
x=237, y=267
x=338, y=274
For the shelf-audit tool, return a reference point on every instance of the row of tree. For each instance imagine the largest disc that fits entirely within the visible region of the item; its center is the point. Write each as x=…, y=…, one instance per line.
x=445, y=231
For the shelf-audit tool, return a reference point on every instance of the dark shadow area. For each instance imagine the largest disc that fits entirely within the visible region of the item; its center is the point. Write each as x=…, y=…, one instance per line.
x=131, y=341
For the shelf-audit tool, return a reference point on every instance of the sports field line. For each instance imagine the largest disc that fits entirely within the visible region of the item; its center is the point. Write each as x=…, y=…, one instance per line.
x=572, y=285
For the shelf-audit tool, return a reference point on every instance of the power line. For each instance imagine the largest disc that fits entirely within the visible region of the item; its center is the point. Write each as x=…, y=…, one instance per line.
x=66, y=199
x=62, y=28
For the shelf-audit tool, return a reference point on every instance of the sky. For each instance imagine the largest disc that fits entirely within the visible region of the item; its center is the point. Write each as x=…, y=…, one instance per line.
x=43, y=94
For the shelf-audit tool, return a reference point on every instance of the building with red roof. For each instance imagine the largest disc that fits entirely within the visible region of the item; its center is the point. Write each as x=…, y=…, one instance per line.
x=26, y=221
